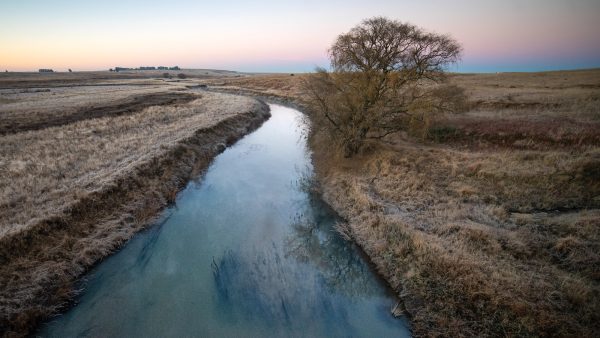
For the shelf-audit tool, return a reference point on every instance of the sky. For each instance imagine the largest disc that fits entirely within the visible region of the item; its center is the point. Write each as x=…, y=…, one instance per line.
x=286, y=36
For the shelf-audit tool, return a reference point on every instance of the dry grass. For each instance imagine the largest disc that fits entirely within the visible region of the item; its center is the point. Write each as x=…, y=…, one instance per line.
x=475, y=242
x=491, y=225
x=45, y=171
x=33, y=110
x=527, y=111
x=12, y=80
x=280, y=86
x=71, y=194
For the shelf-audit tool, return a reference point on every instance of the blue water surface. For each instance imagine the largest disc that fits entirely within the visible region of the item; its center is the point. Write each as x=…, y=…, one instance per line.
x=246, y=251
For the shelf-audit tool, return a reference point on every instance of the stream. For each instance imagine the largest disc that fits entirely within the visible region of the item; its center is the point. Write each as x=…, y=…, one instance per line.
x=246, y=251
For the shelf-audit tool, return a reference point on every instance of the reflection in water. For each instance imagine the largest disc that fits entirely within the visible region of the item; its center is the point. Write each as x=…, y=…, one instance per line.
x=316, y=243
x=248, y=251
x=256, y=286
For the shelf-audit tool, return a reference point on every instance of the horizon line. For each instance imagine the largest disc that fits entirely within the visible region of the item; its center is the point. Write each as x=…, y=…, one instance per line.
x=278, y=72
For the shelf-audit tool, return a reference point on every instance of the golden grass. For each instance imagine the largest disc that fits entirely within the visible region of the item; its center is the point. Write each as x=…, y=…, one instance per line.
x=281, y=86
x=491, y=225
x=44, y=171
x=71, y=194
x=38, y=109
x=469, y=250
x=34, y=80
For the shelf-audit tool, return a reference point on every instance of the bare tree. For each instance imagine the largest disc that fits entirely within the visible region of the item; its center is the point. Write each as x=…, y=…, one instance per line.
x=385, y=75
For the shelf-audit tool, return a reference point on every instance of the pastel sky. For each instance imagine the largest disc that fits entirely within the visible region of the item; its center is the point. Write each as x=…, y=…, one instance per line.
x=286, y=36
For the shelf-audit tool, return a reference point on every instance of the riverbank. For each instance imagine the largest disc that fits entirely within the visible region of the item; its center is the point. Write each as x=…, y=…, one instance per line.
x=75, y=192
x=246, y=251
x=488, y=226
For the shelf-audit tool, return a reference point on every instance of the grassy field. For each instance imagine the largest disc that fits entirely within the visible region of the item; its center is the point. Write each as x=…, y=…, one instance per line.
x=36, y=81
x=85, y=167
x=489, y=223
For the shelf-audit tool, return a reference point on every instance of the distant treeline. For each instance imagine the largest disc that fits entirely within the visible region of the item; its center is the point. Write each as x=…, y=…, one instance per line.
x=119, y=69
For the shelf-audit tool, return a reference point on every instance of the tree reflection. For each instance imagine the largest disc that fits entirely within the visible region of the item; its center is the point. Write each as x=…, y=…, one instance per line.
x=312, y=277
x=314, y=241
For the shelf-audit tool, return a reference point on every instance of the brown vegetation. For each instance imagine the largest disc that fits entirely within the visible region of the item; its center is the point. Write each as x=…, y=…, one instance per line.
x=273, y=86
x=21, y=117
x=72, y=193
x=488, y=224
x=13, y=80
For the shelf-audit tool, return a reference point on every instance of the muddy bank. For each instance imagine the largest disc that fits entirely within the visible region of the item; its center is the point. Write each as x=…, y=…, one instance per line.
x=40, y=263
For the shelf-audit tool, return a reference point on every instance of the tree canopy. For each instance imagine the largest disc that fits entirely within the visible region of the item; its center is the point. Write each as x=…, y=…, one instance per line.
x=385, y=75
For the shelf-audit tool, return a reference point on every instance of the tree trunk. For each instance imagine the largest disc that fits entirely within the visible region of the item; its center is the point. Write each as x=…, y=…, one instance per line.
x=353, y=144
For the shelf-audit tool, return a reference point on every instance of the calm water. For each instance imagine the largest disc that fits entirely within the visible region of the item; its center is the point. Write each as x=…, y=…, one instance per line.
x=244, y=252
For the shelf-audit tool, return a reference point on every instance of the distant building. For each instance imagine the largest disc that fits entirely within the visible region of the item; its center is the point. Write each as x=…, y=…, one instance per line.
x=120, y=69
x=45, y=70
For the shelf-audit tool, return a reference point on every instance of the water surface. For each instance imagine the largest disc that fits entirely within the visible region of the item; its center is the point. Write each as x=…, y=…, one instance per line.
x=245, y=252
